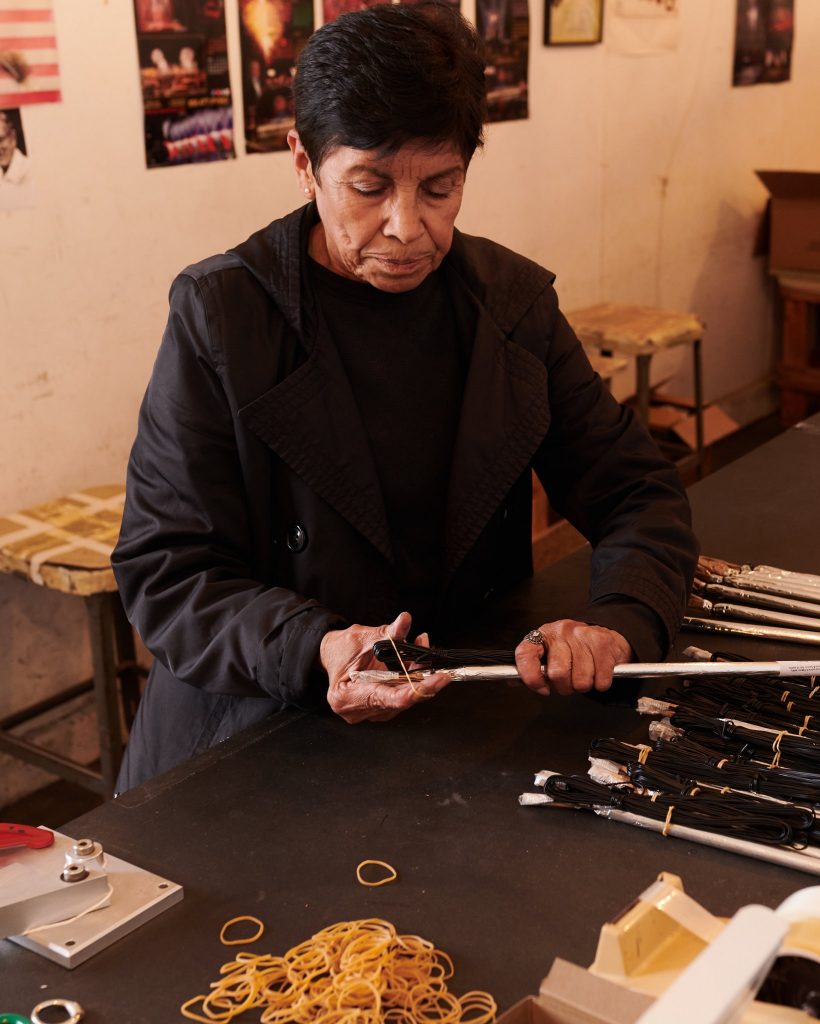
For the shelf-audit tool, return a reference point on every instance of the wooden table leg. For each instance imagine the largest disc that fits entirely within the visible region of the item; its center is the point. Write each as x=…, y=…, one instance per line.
x=101, y=612
x=642, y=364
x=698, y=377
x=795, y=352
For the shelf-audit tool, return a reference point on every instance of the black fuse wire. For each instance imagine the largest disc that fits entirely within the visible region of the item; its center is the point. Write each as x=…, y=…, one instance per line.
x=742, y=817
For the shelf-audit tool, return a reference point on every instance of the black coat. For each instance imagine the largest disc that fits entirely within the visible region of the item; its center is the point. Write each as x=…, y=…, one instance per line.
x=254, y=520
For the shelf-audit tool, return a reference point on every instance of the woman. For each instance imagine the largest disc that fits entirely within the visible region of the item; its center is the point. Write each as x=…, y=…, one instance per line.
x=344, y=416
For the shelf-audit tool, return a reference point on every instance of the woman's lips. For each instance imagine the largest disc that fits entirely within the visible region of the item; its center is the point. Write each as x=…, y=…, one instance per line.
x=401, y=266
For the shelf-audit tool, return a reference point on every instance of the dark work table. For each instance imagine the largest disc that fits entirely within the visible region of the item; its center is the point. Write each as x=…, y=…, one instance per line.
x=274, y=822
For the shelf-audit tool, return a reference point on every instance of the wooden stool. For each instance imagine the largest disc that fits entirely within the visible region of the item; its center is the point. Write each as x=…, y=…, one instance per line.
x=798, y=372
x=66, y=545
x=640, y=332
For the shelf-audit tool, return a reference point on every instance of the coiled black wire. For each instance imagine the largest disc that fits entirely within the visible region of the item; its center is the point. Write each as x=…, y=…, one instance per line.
x=766, y=702
x=687, y=763
x=792, y=750
x=435, y=657
x=741, y=816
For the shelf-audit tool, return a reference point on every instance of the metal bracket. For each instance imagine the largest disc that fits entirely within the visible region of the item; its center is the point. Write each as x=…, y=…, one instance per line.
x=36, y=889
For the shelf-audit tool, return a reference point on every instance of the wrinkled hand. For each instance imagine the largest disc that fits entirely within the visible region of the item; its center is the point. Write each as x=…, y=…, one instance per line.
x=343, y=651
x=579, y=658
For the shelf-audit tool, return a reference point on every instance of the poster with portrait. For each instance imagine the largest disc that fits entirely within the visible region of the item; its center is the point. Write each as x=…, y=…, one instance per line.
x=504, y=25
x=764, y=34
x=29, y=71
x=272, y=35
x=186, y=92
x=16, y=177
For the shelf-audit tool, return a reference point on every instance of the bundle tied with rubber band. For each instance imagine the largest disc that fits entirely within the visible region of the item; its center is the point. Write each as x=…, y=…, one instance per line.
x=352, y=972
x=733, y=761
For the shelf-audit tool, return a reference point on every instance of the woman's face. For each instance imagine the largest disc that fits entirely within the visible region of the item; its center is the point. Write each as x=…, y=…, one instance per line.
x=385, y=219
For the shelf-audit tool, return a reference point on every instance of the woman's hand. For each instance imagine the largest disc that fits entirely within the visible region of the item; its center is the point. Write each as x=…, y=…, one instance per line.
x=579, y=657
x=346, y=650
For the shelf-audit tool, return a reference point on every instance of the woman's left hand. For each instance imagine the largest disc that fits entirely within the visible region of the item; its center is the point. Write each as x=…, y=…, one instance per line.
x=574, y=657
x=345, y=652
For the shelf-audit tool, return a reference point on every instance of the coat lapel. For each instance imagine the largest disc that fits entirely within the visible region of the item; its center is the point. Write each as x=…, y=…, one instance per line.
x=505, y=412
x=311, y=421
x=504, y=417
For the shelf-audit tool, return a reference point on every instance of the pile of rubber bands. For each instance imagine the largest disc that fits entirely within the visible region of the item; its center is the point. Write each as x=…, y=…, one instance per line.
x=353, y=972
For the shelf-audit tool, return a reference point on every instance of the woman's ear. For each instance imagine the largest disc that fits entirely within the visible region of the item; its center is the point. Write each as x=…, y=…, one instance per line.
x=301, y=163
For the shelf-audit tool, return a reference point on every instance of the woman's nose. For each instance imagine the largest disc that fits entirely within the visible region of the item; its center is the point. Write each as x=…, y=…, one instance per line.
x=404, y=219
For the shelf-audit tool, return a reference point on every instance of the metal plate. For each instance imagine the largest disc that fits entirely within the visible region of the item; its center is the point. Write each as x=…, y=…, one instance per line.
x=136, y=897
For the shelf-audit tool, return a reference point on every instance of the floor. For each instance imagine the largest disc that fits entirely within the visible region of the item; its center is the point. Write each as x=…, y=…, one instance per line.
x=60, y=802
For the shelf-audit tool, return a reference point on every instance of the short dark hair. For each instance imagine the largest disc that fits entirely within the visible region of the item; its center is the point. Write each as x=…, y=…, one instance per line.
x=389, y=74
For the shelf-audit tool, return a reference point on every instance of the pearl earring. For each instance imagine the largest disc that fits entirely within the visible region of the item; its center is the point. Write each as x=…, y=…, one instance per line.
x=307, y=191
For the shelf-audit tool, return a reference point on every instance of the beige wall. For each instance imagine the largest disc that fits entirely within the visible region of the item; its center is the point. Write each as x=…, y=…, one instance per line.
x=633, y=180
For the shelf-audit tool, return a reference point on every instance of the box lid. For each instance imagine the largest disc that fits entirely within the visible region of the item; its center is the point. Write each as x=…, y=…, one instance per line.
x=791, y=184
x=586, y=999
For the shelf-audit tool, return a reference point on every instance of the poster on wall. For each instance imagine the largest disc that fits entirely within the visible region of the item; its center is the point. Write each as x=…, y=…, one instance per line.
x=764, y=35
x=186, y=93
x=16, y=186
x=643, y=28
x=272, y=35
x=504, y=25
x=573, y=22
x=29, y=71
x=331, y=9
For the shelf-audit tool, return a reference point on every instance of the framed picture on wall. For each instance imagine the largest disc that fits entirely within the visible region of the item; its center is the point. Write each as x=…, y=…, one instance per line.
x=573, y=22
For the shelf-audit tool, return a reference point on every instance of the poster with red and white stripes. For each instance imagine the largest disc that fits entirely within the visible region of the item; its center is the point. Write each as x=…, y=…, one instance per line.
x=29, y=72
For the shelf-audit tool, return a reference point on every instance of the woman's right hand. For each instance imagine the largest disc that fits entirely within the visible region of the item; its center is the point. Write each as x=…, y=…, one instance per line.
x=344, y=651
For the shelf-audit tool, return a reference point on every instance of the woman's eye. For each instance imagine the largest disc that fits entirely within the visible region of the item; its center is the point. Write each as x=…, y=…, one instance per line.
x=372, y=191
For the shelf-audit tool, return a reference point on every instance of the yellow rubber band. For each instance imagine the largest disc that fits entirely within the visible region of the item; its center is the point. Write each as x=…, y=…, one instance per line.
x=668, y=823
x=417, y=693
x=376, y=863
x=244, y=941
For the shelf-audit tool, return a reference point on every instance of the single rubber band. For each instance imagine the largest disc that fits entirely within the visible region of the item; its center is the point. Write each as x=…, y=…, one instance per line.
x=377, y=863
x=417, y=693
x=243, y=941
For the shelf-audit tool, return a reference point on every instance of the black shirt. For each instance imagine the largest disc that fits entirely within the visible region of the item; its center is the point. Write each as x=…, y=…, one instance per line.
x=406, y=366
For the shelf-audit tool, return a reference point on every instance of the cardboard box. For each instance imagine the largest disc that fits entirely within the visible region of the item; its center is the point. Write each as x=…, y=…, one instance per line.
x=794, y=214
x=571, y=995
x=681, y=424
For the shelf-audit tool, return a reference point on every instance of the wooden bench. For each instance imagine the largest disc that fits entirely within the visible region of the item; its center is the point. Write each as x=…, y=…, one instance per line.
x=66, y=545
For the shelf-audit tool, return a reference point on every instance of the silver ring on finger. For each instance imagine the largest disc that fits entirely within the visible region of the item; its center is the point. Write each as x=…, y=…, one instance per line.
x=535, y=636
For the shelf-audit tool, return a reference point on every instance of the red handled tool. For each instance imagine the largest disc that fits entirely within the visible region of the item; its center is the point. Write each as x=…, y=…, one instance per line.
x=24, y=835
